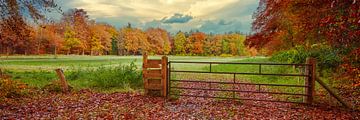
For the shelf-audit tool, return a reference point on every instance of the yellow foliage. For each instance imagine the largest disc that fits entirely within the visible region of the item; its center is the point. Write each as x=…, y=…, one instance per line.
x=11, y=88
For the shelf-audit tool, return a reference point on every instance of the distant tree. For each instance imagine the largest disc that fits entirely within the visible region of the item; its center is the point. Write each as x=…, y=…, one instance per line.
x=197, y=39
x=158, y=40
x=179, y=43
x=225, y=48
x=78, y=20
x=70, y=40
x=236, y=43
x=53, y=35
x=133, y=40
x=216, y=45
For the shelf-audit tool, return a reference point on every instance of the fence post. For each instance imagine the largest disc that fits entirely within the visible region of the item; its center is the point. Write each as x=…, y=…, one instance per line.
x=310, y=80
x=144, y=68
x=164, y=61
x=63, y=81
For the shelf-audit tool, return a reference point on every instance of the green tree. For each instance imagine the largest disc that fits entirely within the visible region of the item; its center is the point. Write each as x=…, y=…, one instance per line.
x=70, y=41
x=179, y=43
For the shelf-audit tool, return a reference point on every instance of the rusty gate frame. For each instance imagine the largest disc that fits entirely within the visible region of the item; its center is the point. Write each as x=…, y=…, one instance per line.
x=309, y=80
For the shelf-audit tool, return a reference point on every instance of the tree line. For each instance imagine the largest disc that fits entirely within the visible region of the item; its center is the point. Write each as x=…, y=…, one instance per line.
x=75, y=33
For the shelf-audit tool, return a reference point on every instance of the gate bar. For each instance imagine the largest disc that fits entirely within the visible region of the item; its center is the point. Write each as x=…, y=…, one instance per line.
x=240, y=98
x=239, y=83
x=186, y=71
x=239, y=63
x=227, y=90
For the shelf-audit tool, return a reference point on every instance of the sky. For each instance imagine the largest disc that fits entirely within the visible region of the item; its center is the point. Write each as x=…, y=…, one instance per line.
x=209, y=16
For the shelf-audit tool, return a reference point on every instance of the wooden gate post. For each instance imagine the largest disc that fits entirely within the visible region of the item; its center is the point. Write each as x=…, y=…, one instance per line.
x=310, y=80
x=164, y=61
x=144, y=71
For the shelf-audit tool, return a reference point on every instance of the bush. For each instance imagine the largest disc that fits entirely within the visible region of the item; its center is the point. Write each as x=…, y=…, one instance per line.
x=327, y=58
x=11, y=88
x=295, y=55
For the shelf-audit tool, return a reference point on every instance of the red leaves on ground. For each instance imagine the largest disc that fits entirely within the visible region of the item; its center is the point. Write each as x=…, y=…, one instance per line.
x=90, y=105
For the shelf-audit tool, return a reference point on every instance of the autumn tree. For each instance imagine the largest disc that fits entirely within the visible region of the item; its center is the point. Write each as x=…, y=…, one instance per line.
x=236, y=44
x=15, y=35
x=70, y=40
x=197, y=40
x=216, y=44
x=179, y=43
x=95, y=39
x=159, y=41
x=282, y=25
x=51, y=35
x=101, y=37
x=133, y=40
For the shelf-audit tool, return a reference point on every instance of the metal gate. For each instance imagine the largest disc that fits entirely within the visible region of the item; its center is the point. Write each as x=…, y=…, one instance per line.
x=308, y=85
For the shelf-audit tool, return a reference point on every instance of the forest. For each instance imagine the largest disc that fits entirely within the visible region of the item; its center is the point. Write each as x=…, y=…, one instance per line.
x=77, y=34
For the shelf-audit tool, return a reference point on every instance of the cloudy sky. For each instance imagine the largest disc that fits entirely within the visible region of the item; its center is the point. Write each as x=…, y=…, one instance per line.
x=216, y=16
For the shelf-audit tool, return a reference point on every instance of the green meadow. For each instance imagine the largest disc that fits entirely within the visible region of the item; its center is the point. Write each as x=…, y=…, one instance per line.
x=95, y=72
x=123, y=73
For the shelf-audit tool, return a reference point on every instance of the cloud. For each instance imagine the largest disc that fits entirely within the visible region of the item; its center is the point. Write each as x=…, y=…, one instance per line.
x=221, y=26
x=177, y=18
x=223, y=22
x=172, y=15
x=205, y=8
x=156, y=24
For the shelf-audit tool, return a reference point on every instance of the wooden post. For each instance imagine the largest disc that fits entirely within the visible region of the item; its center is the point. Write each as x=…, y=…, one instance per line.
x=63, y=81
x=144, y=71
x=164, y=61
x=310, y=80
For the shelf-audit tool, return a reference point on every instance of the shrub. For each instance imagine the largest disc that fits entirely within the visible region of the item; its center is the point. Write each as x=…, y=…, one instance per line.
x=327, y=58
x=295, y=55
x=11, y=88
x=120, y=76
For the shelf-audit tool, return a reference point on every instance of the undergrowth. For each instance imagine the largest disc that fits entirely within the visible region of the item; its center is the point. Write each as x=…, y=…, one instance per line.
x=103, y=78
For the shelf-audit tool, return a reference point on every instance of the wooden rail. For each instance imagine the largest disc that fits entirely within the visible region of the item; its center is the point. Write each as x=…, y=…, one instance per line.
x=332, y=93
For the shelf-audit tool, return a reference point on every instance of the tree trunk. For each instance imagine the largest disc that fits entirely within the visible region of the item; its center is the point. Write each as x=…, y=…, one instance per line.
x=7, y=51
x=55, y=54
x=38, y=49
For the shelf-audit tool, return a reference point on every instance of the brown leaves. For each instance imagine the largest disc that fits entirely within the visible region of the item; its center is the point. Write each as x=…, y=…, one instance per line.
x=89, y=105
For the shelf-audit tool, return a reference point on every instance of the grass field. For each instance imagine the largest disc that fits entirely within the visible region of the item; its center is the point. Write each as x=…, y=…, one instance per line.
x=48, y=63
x=122, y=73
x=87, y=71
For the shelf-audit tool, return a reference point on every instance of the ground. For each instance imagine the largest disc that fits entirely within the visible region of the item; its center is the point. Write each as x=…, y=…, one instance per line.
x=89, y=105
